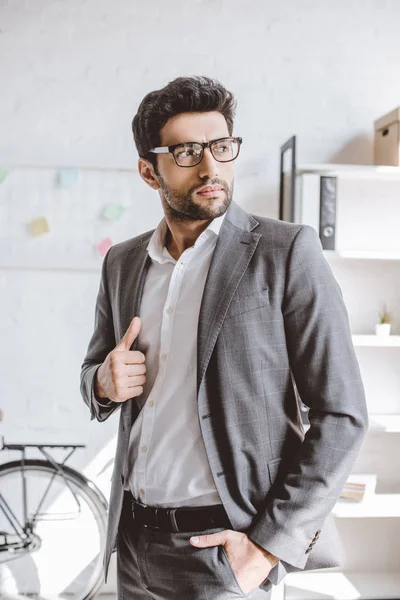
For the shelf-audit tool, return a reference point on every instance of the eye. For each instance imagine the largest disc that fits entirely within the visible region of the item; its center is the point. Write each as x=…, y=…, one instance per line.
x=187, y=151
x=222, y=147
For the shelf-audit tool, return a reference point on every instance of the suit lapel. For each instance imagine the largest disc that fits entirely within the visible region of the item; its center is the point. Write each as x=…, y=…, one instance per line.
x=235, y=246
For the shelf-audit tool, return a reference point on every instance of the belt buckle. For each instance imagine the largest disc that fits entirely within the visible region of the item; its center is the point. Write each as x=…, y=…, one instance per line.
x=171, y=517
x=157, y=525
x=144, y=506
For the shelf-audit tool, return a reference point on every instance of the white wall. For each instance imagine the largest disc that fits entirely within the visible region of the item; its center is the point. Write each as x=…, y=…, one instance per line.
x=73, y=74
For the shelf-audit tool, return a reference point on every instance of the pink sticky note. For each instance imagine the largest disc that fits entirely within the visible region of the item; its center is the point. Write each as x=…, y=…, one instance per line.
x=104, y=245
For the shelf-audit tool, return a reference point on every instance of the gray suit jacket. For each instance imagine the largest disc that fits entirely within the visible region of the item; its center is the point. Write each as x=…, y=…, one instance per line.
x=272, y=320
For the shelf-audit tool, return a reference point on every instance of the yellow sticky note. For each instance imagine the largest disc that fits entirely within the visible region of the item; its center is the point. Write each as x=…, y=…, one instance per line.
x=39, y=226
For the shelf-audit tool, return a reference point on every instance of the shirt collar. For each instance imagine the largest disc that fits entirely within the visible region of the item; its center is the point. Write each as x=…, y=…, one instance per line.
x=156, y=246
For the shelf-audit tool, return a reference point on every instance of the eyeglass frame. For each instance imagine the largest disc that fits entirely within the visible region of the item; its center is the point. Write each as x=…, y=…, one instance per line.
x=204, y=145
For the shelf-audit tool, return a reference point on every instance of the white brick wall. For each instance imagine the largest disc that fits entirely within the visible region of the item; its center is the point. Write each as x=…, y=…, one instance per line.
x=72, y=75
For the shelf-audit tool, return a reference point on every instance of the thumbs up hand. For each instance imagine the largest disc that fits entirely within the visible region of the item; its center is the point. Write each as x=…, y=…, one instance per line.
x=122, y=374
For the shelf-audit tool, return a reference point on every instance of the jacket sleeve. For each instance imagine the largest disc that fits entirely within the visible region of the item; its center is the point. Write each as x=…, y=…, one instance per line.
x=326, y=372
x=101, y=343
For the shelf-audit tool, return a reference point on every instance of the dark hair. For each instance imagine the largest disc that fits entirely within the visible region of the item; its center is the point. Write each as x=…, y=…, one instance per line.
x=182, y=95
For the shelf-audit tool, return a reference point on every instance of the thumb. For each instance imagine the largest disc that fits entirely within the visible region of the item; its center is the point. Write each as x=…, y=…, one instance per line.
x=130, y=335
x=210, y=539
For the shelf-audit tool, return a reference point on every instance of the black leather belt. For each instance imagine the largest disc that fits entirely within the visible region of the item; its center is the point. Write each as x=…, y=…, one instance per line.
x=193, y=518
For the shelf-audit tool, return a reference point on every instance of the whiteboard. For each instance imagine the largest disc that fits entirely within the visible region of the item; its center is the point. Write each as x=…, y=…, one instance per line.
x=73, y=201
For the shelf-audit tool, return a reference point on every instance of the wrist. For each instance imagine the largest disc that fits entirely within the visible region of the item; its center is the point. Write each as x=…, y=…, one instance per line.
x=272, y=559
x=98, y=389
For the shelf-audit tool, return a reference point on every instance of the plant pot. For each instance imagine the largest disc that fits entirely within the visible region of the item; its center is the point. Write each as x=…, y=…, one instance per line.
x=382, y=329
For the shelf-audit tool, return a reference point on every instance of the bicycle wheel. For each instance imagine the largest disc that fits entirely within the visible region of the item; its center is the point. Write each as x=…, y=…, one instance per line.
x=67, y=517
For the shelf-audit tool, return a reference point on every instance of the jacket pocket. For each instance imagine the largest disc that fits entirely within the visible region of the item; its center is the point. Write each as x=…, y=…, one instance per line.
x=243, y=304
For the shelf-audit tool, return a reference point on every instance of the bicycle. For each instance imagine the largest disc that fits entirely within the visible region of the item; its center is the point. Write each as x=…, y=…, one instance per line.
x=52, y=528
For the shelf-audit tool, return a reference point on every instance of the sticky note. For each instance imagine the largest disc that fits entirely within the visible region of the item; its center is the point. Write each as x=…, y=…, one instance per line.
x=113, y=212
x=104, y=245
x=3, y=175
x=39, y=226
x=67, y=177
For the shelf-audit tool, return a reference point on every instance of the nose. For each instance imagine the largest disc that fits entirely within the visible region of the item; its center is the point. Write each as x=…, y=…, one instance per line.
x=209, y=167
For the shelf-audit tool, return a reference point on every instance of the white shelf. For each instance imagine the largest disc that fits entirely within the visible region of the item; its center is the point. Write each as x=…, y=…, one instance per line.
x=375, y=340
x=372, y=506
x=377, y=423
x=351, y=171
x=363, y=254
x=342, y=585
x=384, y=423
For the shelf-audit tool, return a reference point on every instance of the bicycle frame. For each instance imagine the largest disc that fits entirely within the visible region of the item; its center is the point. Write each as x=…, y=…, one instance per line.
x=26, y=529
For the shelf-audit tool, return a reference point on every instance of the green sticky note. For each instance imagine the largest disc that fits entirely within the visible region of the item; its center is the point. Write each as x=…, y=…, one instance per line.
x=114, y=211
x=3, y=175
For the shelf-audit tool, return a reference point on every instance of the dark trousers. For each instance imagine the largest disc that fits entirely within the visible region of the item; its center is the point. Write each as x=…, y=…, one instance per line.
x=157, y=565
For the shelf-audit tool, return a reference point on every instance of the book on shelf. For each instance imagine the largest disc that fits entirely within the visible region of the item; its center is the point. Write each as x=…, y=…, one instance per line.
x=357, y=486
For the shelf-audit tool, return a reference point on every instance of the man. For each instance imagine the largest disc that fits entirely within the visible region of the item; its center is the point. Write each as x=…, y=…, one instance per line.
x=206, y=329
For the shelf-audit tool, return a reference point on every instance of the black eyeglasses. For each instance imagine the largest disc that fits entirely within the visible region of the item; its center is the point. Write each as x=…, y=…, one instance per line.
x=190, y=154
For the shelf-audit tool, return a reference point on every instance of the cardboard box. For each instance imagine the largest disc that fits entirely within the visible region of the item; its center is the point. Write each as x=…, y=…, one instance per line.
x=387, y=139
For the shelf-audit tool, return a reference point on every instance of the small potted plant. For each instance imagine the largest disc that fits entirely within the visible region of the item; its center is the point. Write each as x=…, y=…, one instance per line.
x=383, y=327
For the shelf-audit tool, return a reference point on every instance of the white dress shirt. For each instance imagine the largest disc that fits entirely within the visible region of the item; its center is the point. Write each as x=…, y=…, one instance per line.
x=167, y=462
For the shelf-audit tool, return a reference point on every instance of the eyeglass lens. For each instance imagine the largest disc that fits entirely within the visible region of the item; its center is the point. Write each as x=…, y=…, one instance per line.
x=190, y=154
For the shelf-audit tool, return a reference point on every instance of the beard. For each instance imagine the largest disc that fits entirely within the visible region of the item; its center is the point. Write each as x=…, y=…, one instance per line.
x=181, y=206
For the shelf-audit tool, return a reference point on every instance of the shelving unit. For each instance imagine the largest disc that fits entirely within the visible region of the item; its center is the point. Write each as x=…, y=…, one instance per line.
x=369, y=529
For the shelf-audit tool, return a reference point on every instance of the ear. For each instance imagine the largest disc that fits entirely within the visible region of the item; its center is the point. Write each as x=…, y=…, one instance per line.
x=146, y=172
